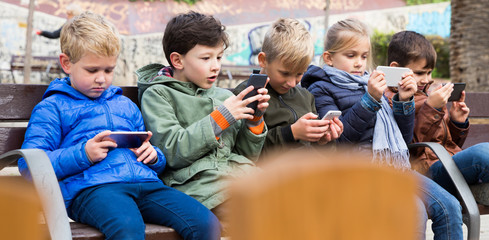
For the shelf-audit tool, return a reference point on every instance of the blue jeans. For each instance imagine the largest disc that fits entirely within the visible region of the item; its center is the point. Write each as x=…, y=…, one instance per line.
x=472, y=162
x=443, y=209
x=119, y=211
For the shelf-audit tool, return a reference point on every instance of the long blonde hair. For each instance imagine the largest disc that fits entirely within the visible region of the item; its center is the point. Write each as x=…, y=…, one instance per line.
x=345, y=34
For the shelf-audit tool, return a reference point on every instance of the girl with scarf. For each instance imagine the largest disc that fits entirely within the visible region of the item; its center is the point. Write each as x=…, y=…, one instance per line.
x=370, y=124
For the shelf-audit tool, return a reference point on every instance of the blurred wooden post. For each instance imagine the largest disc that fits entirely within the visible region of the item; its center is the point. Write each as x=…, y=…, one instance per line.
x=324, y=196
x=28, y=44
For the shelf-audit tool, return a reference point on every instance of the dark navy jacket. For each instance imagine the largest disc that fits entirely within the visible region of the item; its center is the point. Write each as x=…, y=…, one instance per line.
x=359, y=110
x=65, y=120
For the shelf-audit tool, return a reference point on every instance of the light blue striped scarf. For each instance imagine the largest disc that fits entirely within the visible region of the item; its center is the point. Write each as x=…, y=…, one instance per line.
x=388, y=145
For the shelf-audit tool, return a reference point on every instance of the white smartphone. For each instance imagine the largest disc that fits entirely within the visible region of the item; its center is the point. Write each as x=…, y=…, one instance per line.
x=128, y=139
x=393, y=75
x=331, y=114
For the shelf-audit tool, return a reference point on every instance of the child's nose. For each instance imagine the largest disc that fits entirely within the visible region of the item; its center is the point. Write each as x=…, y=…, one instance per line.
x=215, y=66
x=100, y=78
x=292, y=82
x=358, y=63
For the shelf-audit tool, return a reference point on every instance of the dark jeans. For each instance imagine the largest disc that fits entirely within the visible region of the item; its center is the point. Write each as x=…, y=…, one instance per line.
x=119, y=210
x=472, y=162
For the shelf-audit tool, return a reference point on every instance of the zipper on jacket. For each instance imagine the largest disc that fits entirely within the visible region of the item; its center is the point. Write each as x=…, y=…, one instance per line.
x=287, y=106
x=110, y=124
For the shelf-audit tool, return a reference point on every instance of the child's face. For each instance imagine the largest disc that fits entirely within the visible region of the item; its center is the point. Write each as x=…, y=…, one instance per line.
x=201, y=65
x=421, y=74
x=352, y=60
x=92, y=74
x=281, y=78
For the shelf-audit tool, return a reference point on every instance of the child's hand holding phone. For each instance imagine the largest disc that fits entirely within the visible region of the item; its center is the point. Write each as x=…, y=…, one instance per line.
x=241, y=105
x=438, y=98
x=309, y=129
x=146, y=153
x=407, y=86
x=459, y=112
x=334, y=132
x=376, y=85
x=97, y=147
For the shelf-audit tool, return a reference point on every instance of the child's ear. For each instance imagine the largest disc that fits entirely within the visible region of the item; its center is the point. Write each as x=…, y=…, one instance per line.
x=327, y=58
x=65, y=62
x=262, y=59
x=176, y=60
x=394, y=64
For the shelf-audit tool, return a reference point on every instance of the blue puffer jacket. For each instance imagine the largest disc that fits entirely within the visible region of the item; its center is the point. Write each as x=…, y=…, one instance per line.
x=65, y=120
x=358, y=121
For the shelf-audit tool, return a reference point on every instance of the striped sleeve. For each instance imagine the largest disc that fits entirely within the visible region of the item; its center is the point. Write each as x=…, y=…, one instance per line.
x=221, y=119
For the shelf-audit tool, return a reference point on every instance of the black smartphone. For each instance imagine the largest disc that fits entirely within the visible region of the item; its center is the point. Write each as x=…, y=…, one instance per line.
x=457, y=91
x=128, y=139
x=257, y=81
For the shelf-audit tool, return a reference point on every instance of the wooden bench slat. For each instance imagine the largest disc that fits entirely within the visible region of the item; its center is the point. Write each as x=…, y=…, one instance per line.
x=478, y=133
x=82, y=231
x=11, y=139
x=18, y=100
x=478, y=104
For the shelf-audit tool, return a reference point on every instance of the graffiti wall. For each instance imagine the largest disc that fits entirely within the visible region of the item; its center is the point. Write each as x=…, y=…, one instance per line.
x=131, y=17
x=140, y=49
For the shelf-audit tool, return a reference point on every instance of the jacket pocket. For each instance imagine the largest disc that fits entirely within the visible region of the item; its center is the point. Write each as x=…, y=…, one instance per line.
x=181, y=176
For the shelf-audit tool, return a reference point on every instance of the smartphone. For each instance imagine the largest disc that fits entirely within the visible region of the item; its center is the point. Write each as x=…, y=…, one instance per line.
x=257, y=81
x=457, y=92
x=393, y=75
x=128, y=139
x=331, y=114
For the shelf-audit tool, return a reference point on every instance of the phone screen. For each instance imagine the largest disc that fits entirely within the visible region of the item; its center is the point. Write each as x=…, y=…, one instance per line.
x=257, y=81
x=128, y=139
x=457, y=92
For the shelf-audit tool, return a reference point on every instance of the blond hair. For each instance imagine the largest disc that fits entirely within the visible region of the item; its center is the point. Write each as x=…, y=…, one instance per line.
x=289, y=41
x=89, y=32
x=345, y=34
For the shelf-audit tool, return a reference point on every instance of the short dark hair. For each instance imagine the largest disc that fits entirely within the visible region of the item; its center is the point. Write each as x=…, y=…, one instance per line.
x=184, y=31
x=408, y=46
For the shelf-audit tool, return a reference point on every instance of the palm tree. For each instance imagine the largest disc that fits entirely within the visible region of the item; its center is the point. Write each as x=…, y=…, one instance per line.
x=469, y=44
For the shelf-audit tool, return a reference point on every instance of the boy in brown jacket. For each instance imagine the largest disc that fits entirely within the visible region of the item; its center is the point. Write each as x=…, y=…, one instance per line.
x=434, y=122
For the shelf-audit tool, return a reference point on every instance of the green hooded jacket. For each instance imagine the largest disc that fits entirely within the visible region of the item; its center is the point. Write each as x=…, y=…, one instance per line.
x=178, y=114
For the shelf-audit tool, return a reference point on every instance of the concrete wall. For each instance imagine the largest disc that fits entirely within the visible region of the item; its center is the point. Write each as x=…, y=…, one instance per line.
x=141, y=49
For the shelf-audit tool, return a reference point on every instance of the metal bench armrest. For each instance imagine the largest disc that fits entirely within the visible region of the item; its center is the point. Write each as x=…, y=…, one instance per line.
x=47, y=187
x=472, y=218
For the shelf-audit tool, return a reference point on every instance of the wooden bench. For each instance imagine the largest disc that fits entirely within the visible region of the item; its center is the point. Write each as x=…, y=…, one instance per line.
x=16, y=104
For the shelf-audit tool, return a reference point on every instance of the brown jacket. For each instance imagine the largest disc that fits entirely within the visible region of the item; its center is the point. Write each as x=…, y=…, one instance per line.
x=434, y=126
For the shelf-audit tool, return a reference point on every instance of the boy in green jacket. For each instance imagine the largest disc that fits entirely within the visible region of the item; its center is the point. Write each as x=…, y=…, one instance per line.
x=208, y=135
x=291, y=117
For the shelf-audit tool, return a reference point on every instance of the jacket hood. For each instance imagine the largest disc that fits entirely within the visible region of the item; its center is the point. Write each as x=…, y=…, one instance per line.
x=149, y=75
x=63, y=86
x=313, y=74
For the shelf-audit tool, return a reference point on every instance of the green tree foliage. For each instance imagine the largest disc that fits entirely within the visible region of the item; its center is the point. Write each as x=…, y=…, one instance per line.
x=417, y=2
x=189, y=2
x=380, y=42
